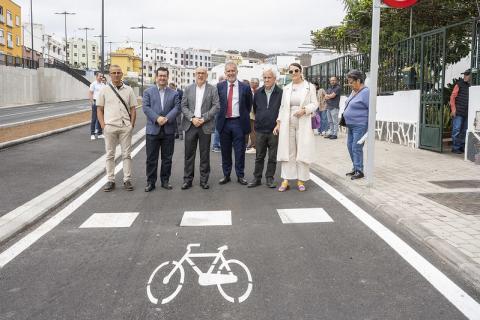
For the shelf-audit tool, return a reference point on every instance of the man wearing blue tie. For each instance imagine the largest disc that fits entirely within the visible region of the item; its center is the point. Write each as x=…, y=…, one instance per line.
x=161, y=105
x=233, y=122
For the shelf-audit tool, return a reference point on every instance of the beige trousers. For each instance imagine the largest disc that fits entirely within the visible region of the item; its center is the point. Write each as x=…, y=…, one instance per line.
x=293, y=169
x=113, y=136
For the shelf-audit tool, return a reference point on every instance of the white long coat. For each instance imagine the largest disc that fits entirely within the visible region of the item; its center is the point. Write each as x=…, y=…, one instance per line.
x=306, y=143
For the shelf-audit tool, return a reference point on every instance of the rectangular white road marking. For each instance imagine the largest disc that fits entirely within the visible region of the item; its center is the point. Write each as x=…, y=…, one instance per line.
x=304, y=215
x=24, y=243
x=206, y=218
x=459, y=298
x=110, y=220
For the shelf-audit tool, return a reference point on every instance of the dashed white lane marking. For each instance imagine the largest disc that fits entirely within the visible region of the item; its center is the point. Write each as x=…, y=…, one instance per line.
x=459, y=298
x=206, y=218
x=110, y=220
x=306, y=215
x=24, y=243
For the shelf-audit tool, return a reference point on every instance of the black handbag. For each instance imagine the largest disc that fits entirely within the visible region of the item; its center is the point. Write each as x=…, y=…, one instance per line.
x=342, y=118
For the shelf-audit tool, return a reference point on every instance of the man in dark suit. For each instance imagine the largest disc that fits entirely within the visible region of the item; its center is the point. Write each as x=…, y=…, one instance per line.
x=266, y=105
x=233, y=122
x=161, y=106
x=200, y=104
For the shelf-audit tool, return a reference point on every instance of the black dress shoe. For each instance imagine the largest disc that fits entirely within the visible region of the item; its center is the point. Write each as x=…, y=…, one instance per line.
x=149, y=187
x=254, y=183
x=351, y=173
x=186, y=185
x=242, y=181
x=204, y=186
x=225, y=180
x=332, y=137
x=358, y=175
x=166, y=185
x=271, y=183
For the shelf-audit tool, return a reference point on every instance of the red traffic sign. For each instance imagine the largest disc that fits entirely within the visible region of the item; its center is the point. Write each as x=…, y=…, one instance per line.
x=400, y=3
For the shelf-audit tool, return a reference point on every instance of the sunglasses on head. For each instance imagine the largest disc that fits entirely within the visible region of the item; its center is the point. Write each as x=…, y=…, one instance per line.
x=293, y=71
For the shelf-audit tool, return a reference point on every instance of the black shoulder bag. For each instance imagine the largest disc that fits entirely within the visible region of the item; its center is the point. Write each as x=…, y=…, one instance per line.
x=123, y=101
x=342, y=119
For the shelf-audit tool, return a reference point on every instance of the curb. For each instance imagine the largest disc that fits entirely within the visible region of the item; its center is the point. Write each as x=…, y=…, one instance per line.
x=468, y=270
x=61, y=115
x=25, y=215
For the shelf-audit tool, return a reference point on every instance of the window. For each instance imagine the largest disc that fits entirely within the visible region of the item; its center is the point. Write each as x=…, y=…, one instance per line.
x=75, y=54
x=176, y=55
x=201, y=57
x=176, y=61
x=93, y=56
x=83, y=47
x=17, y=21
x=196, y=64
x=83, y=55
x=9, y=19
x=196, y=57
x=181, y=56
x=74, y=46
x=18, y=41
x=93, y=48
x=9, y=40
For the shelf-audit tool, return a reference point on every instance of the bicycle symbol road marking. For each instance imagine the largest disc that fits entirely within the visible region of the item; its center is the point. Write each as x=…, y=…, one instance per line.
x=224, y=275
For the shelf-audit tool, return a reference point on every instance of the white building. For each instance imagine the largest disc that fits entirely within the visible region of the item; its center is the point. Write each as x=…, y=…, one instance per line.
x=176, y=56
x=44, y=43
x=282, y=61
x=246, y=71
x=77, y=53
x=180, y=75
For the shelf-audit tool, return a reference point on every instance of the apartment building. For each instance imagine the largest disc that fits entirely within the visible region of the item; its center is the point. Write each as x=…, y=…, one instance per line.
x=10, y=28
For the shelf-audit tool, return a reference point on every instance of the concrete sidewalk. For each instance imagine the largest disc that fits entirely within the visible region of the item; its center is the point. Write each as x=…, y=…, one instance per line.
x=436, y=197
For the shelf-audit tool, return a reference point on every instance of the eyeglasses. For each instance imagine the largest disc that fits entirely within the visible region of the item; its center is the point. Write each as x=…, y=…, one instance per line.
x=116, y=72
x=293, y=71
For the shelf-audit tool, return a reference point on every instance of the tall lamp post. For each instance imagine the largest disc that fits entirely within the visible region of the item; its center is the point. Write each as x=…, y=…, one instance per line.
x=142, y=27
x=86, y=40
x=101, y=50
x=31, y=26
x=102, y=42
x=65, y=13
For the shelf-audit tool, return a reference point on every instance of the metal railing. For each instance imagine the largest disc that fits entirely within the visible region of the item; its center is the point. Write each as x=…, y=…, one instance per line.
x=77, y=74
x=11, y=61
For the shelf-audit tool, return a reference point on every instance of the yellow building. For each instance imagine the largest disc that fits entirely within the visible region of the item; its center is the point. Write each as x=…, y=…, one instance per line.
x=10, y=28
x=127, y=60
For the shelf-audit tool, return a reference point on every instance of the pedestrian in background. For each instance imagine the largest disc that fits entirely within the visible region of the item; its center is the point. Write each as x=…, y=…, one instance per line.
x=254, y=84
x=161, y=105
x=333, y=106
x=233, y=122
x=216, y=135
x=356, y=120
x=200, y=105
x=459, y=112
x=93, y=92
x=296, y=142
x=116, y=109
x=266, y=105
x=178, y=129
x=322, y=110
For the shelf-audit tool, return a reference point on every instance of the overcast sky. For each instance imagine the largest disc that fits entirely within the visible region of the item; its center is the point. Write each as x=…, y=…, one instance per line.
x=263, y=25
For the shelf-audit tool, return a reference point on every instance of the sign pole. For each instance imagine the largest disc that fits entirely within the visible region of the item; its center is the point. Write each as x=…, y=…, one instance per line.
x=373, y=85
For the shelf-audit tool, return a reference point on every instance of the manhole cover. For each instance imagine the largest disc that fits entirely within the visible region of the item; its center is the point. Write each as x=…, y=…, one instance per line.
x=456, y=184
x=463, y=202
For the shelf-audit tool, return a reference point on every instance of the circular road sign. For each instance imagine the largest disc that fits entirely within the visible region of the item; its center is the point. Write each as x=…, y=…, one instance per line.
x=400, y=3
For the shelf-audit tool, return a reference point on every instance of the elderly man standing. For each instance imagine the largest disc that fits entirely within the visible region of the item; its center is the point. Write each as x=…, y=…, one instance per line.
x=117, y=114
x=333, y=107
x=459, y=107
x=200, y=104
x=233, y=122
x=266, y=104
x=254, y=84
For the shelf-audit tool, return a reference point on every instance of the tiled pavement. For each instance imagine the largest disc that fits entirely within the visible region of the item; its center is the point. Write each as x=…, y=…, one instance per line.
x=402, y=175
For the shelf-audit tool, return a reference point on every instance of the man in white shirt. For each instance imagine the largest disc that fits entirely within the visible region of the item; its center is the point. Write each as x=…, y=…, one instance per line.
x=95, y=88
x=200, y=104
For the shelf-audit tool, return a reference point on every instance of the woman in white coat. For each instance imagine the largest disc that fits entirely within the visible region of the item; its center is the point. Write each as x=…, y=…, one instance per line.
x=294, y=127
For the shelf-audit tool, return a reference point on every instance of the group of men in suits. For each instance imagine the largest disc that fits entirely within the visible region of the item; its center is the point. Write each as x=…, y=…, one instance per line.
x=205, y=108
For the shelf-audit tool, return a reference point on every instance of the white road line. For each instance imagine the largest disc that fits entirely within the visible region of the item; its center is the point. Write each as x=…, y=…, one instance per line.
x=206, y=218
x=24, y=243
x=110, y=220
x=39, y=110
x=459, y=298
x=304, y=215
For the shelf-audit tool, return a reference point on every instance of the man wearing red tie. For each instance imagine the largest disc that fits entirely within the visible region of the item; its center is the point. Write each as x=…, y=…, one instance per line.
x=233, y=122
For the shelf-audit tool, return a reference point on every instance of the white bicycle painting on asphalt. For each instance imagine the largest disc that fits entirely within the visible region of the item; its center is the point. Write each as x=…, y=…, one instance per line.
x=220, y=274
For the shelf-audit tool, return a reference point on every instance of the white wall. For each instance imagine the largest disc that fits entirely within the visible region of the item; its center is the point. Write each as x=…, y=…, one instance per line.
x=473, y=107
x=20, y=86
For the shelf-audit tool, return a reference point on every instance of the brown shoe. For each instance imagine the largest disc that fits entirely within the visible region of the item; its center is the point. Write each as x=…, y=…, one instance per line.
x=109, y=186
x=127, y=185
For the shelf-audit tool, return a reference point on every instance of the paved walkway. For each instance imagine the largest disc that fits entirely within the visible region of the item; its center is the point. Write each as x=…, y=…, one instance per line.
x=445, y=216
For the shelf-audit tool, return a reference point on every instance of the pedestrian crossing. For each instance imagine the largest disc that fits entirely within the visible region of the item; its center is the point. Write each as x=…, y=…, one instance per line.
x=206, y=218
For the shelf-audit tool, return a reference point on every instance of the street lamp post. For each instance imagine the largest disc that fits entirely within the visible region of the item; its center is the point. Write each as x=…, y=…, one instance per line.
x=102, y=45
x=101, y=50
x=31, y=26
x=86, y=40
x=142, y=27
x=65, y=13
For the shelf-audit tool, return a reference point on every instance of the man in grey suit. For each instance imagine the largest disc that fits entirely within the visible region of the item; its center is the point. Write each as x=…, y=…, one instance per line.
x=200, y=104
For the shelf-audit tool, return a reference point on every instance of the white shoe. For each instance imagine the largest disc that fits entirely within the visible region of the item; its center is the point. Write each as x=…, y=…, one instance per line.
x=101, y=136
x=251, y=151
x=92, y=137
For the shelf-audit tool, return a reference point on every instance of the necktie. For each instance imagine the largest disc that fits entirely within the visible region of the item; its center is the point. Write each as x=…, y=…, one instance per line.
x=230, y=102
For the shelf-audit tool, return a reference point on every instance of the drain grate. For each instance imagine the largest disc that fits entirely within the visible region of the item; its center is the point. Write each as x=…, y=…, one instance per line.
x=463, y=202
x=456, y=184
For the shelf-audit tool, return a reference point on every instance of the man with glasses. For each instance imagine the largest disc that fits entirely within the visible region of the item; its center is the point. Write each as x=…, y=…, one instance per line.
x=200, y=104
x=333, y=106
x=116, y=113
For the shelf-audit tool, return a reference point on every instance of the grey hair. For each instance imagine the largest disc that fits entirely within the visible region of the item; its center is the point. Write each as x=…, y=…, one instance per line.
x=230, y=63
x=273, y=71
x=255, y=80
x=356, y=75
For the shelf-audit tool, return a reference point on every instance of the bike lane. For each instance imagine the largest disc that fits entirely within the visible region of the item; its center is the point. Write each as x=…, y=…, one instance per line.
x=333, y=269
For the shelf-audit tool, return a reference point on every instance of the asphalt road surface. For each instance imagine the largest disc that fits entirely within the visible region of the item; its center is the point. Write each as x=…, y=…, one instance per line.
x=324, y=264
x=37, y=111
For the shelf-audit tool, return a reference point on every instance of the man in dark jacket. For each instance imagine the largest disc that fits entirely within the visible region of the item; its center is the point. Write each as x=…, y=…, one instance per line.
x=266, y=105
x=459, y=108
